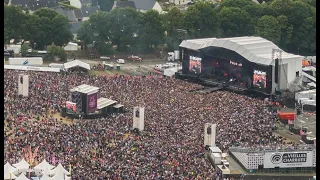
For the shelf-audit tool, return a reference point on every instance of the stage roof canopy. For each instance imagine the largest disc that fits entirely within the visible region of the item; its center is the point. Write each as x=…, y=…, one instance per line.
x=255, y=49
x=76, y=63
x=85, y=89
x=104, y=102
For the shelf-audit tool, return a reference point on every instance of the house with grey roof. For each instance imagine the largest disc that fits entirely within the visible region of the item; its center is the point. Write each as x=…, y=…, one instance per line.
x=87, y=11
x=78, y=14
x=145, y=5
x=67, y=13
x=123, y=4
x=35, y=4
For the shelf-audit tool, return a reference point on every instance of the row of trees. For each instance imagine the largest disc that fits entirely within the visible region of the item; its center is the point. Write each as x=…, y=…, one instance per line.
x=41, y=28
x=291, y=24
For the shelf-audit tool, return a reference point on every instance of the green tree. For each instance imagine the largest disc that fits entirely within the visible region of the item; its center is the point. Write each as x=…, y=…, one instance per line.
x=125, y=27
x=235, y=22
x=53, y=28
x=307, y=36
x=152, y=29
x=201, y=20
x=56, y=51
x=106, y=5
x=172, y=21
x=237, y=3
x=14, y=21
x=268, y=27
x=286, y=30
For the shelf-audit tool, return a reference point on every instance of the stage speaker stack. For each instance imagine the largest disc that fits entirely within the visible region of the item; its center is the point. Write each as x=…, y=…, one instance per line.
x=210, y=135
x=138, y=118
x=23, y=85
x=276, y=71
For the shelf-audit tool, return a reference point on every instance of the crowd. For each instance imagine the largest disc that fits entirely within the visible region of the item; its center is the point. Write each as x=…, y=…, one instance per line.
x=171, y=147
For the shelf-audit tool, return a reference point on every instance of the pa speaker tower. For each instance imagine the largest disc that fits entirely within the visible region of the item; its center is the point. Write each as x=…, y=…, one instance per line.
x=276, y=70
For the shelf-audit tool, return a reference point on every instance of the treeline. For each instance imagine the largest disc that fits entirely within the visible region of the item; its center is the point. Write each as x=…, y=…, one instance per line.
x=291, y=24
x=41, y=28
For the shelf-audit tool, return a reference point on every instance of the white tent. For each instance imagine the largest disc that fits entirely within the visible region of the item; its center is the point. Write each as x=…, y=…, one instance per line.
x=45, y=177
x=22, y=166
x=47, y=172
x=76, y=63
x=59, y=176
x=43, y=165
x=60, y=170
x=9, y=168
x=8, y=171
x=71, y=47
x=22, y=177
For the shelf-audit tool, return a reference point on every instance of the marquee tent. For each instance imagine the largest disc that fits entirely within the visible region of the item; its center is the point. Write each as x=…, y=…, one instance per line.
x=22, y=177
x=22, y=166
x=60, y=170
x=76, y=63
x=43, y=165
x=10, y=168
x=60, y=176
x=45, y=177
x=9, y=171
x=47, y=172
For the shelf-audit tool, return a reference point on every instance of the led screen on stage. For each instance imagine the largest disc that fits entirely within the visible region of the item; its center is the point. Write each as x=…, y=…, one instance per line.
x=71, y=107
x=195, y=65
x=92, y=102
x=259, y=79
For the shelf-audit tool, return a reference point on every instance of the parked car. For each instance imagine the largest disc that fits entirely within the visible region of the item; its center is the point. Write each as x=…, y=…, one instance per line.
x=120, y=61
x=8, y=53
x=190, y=3
x=134, y=58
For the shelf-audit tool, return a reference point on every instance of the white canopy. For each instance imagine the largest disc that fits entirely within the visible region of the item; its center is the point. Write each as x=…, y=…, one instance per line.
x=76, y=63
x=60, y=170
x=45, y=177
x=22, y=166
x=8, y=171
x=43, y=165
x=255, y=49
x=59, y=176
x=9, y=168
x=47, y=172
x=22, y=177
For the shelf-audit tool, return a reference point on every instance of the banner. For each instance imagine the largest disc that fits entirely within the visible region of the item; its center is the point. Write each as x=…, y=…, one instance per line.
x=288, y=159
x=71, y=107
x=92, y=102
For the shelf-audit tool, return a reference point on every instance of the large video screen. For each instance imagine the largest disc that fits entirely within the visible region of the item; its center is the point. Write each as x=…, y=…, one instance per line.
x=259, y=79
x=195, y=65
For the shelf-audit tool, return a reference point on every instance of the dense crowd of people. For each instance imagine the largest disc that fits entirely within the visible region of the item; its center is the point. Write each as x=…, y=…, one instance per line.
x=170, y=147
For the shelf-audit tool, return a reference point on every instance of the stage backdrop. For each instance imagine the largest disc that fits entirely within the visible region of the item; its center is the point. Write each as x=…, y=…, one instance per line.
x=92, y=103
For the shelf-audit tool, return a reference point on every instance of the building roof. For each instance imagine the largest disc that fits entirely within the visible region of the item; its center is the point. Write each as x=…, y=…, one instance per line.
x=85, y=2
x=87, y=11
x=67, y=13
x=255, y=49
x=84, y=88
x=78, y=13
x=75, y=27
x=124, y=4
x=34, y=5
x=144, y=4
x=76, y=63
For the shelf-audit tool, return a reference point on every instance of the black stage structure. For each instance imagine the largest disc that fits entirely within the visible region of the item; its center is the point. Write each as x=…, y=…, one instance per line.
x=218, y=66
x=85, y=103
